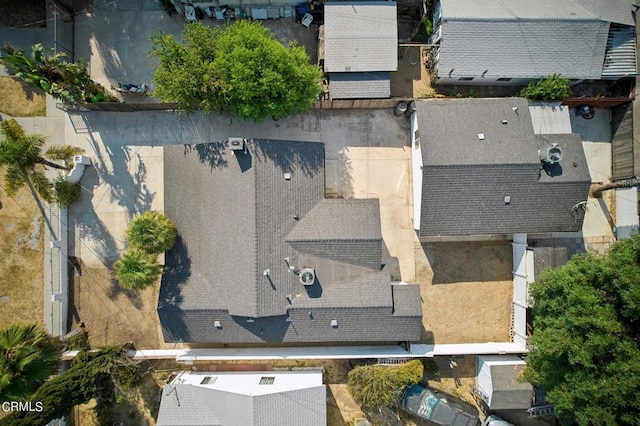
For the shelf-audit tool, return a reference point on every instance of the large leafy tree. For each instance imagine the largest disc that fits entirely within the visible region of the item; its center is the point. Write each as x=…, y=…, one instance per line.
x=241, y=70
x=151, y=232
x=586, y=337
x=91, y=376
x=28, y=356
x=375, y=386
x=68, y=81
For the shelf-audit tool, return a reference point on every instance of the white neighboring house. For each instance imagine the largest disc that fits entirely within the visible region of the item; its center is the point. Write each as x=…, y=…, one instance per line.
x=257, y=398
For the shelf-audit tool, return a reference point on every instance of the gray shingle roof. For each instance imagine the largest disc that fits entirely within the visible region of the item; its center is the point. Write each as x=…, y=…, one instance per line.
x=360, y=85
x=186, y=405
x=522, y=48
x=449, y=131
x=465, y=180
x=234, y=215
x=360, y=36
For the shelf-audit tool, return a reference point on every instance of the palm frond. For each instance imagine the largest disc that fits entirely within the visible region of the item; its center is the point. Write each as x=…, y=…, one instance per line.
x=42, y=185
x=14, y=179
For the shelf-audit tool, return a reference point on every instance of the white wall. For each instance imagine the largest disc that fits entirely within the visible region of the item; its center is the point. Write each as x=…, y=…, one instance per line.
x=416, y=171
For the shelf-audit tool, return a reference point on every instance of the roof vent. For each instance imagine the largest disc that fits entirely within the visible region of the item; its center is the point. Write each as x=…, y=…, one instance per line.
x=507, y=199
x=266, y=272
x=551, y=155
x=481, y=136
x=217, y=324
x=307, y=276
x=287, y=176
x=334, y=323
x=505, y=122
x=238, y=145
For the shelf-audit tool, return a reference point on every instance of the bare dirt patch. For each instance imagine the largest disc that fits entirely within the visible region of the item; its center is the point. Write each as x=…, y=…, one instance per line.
x=21, y=263
x=20, y=100
x=466, y=290
x=24, y=13
x=113, y=316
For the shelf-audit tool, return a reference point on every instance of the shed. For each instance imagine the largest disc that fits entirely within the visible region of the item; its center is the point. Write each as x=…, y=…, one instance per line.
x=498, y=385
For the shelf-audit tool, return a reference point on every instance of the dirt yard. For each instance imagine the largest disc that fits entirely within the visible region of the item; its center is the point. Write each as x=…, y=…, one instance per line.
x=21, y=263
x=111, y=315
x=466, y=290
x=19, y=100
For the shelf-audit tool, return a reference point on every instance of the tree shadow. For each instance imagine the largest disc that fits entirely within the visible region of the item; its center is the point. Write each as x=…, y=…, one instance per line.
x=339, y=180
x=84, y=219
x=211, y=154
x=291, y=156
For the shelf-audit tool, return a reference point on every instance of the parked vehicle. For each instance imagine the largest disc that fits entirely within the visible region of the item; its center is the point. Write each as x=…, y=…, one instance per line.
x=133, y=88
x=493, y=420
x=445, y=410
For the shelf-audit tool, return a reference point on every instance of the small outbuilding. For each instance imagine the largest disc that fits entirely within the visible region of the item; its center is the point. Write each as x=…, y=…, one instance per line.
x=498, y=383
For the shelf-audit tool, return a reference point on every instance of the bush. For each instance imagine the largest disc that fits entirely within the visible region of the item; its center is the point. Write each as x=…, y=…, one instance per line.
x=151, y=232
x=65, y=193
x=551, y=88
x=375, y=386
x=137, y=270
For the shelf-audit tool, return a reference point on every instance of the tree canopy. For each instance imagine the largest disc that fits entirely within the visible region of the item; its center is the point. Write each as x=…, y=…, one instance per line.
x=241, y=71
x=375, y=386
x=551, y=88
x=22, y=158
x=91, y=376
x=28, y=356
x=586, y=321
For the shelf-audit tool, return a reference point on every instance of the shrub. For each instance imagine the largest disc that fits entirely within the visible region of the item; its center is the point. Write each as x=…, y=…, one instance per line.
x=65, y=193
x=137, y=270
x=554, y=87
x=151, y=232
x=375, y=386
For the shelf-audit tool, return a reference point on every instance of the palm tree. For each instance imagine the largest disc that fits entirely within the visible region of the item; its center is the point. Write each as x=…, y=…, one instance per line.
x=628, y=183
x=21, y=156
x=151, y=232
x=28, y=356
x=137, y=270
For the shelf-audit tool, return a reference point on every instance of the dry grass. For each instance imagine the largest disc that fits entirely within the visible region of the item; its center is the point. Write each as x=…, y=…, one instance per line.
x=21, y=263
x=19, y=100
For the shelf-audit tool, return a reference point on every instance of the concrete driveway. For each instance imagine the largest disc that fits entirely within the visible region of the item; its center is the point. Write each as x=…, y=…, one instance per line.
x=367, y=156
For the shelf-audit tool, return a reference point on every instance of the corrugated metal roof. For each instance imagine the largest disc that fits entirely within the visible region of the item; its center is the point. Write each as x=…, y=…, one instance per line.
x=359, y=85
x=520, y=39
x=360, y=36
x=522, y=48
x=620, y=56
x=619, y=11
